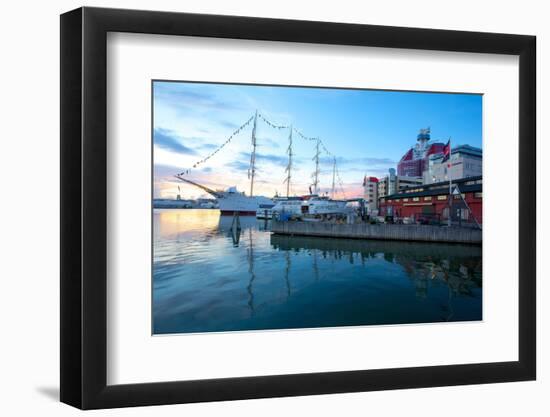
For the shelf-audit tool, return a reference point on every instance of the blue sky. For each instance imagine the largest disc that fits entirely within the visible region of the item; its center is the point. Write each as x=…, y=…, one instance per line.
x=367, y=130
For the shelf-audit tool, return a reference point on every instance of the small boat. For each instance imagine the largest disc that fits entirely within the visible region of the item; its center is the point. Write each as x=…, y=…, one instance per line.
x=285, y=206
x=291, y=206
x=323, y=205
x=265, y=212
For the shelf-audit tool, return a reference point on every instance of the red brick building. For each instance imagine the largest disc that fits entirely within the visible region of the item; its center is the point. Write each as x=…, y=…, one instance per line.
x=430, y=202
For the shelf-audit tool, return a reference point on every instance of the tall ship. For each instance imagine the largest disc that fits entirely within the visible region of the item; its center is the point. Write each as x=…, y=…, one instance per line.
x=231, y=201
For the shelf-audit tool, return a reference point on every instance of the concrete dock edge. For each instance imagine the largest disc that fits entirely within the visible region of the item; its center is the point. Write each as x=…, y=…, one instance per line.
x=420, y=233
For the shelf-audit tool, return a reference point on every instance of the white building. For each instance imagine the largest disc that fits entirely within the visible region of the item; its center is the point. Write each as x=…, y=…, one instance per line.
x=392, y=183
x=466, y=161
x=370, y=185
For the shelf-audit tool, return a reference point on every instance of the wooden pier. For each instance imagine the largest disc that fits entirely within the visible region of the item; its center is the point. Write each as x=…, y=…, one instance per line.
x=419, y=233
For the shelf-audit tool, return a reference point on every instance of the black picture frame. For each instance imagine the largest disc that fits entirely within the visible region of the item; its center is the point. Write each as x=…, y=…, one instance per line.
x=84, y=207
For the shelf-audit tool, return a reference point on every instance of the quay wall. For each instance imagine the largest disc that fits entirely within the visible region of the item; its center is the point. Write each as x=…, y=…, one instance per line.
x=407, y=232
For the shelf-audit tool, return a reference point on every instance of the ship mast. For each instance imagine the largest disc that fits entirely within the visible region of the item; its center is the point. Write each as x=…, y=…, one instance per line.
x=289, y=166
x=316, y=173
x=333, y=192
x=252, y=168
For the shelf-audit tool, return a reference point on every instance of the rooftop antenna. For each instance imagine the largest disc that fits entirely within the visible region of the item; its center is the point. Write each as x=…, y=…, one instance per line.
x=289, y=166
x=252, y=169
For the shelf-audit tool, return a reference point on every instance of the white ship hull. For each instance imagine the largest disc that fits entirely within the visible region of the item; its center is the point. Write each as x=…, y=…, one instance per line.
x=231, y=203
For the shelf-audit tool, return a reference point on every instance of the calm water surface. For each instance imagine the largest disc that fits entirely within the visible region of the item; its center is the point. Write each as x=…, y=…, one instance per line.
x=206, y=278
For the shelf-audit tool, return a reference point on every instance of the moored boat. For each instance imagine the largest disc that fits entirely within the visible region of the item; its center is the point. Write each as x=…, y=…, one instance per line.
x=291, y=206
x=323, y=205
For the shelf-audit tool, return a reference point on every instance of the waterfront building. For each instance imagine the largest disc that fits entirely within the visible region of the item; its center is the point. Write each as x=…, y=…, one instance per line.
x=392, y=183
x=172, y=203
x=415, y=161
x=430, y=202
x=370, y=185
x=465, y=161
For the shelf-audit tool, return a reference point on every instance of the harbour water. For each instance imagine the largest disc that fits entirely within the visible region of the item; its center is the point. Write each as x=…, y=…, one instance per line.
x=209, y=278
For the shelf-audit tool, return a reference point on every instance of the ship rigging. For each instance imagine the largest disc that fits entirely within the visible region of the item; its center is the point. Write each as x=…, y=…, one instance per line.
x=232, y=201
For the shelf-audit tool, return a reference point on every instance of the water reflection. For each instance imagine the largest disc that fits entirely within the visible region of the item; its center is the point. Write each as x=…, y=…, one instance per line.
x=457, y=267
x=210, y=275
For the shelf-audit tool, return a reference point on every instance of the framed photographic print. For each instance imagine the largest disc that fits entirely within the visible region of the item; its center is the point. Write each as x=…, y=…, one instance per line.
x=258, y=207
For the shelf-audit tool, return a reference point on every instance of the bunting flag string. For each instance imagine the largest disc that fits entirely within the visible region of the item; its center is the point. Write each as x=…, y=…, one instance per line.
x=314, y=139
x=325, y=148
x=304, y=136
x=206, y=158
x=308, y=138
x=273, y=125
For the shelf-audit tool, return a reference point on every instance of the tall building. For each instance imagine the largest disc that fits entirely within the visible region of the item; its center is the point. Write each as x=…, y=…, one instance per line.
x=415, y=161
x=370, y=185
x=465, y=161
x=392, y=183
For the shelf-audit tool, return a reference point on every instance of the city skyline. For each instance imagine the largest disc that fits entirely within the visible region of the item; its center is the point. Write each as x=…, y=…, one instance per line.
x=367, y=130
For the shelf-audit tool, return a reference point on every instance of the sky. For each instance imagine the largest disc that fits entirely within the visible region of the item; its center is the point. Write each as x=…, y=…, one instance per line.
x=367, y=131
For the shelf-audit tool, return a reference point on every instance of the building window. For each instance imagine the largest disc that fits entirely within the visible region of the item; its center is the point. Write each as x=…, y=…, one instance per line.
x=416, y=199
x=427, y=199
x=405, y=199
x=478, y=195
x=441, y=197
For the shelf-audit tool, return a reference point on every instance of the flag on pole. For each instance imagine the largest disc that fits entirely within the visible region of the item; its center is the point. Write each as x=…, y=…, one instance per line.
x=446, y=157
x=447, y=151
